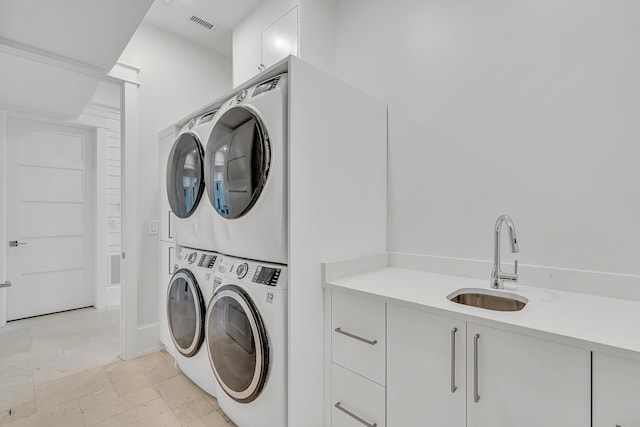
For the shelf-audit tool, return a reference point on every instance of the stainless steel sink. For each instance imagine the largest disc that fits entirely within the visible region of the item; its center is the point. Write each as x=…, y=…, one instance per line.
x=489, y=299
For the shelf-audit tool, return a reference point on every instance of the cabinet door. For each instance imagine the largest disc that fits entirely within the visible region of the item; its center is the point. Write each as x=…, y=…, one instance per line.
x=165, y=216
x=280, y=39
x=515, y=380
x=616, y=391
x=165, y=266
x=426, y=375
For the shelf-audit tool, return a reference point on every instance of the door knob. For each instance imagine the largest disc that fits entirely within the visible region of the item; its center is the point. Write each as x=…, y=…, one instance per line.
x=14, y=243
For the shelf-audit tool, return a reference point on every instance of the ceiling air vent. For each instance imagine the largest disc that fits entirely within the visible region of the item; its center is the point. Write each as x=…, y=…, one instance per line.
x=202, y=22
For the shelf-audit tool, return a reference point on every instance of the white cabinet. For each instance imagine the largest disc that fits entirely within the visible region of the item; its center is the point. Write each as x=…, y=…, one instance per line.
x=426, y=365
x=267, y=35
x=280, y=39
x=358, y=356
x=447, y=372
x=616, y=391
x=515, y=380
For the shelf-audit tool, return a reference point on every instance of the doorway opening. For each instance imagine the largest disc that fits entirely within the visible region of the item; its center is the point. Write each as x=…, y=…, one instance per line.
x=61, y=190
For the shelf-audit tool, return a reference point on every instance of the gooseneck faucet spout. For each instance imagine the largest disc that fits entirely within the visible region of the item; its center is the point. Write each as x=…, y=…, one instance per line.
x=497, y=275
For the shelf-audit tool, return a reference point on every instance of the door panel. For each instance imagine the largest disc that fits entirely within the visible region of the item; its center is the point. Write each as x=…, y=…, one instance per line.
x=426, y=375
x=46, y=184
x=49, y=210
x=52, y=149
x=525, y=382
x=69, y=217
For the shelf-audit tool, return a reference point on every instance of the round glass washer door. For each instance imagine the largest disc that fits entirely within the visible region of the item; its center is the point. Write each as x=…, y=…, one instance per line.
x=185, y=175
x=237, y=344
x=185, y=312
x=237, y=161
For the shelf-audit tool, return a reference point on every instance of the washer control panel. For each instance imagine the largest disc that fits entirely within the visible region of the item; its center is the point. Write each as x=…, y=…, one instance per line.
x=266, y=275
x=249, y=272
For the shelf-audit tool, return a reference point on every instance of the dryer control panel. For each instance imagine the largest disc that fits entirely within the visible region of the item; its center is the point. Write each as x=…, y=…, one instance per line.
x=207, y=261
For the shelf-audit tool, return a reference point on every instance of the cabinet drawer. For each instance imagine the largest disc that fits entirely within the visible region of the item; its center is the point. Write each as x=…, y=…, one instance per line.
x=356, y=401
x=358, y=327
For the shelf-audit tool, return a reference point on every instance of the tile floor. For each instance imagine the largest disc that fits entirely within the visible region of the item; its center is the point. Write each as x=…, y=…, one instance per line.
x=64, y=370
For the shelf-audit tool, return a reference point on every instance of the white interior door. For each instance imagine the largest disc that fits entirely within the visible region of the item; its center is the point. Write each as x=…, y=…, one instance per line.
x=49, y=217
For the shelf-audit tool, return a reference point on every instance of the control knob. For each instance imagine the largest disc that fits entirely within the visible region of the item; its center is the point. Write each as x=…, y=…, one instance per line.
x=191, y=258
x=241, y=96
x=242, y=269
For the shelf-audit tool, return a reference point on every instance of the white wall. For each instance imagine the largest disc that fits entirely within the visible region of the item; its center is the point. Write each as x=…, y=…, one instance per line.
x=524, y=107
x=177, y=77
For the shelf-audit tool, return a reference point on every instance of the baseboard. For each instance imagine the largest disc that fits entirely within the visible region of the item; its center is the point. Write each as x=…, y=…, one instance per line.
x=605, y=284
x=148, y=340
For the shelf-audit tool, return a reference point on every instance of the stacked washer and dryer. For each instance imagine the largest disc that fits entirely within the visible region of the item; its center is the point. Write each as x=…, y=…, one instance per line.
x=229, y=289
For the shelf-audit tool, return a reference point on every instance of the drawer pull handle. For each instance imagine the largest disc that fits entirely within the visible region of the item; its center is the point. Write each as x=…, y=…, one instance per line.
x=476, y=396
x=453, y=360
x=355, y=337
x=354, y=416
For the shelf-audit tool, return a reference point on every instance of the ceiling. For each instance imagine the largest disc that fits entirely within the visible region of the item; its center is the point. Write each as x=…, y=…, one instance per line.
x=53, y=53
x=92, y=32
x=175, y=17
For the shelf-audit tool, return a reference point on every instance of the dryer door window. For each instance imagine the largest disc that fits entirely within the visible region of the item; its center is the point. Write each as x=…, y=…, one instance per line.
x=185, y=175
x=185, y=312
x=236, y=162
x=237, y=343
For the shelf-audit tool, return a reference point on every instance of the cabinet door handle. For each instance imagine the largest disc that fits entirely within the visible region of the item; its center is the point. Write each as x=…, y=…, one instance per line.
x=6, y=284
x=355, y=337
x=476, y=396
x=354, y=416
x=170, y=260
x=453, y=360
x=169, y=226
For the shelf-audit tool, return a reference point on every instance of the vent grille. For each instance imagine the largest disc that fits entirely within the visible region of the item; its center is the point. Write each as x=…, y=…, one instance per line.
x=202, y=22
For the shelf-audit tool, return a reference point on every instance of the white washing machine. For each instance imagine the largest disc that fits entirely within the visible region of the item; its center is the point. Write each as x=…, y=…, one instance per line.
x=188, y=293
x=246, y=173
x=193, y=225
x=246, y=340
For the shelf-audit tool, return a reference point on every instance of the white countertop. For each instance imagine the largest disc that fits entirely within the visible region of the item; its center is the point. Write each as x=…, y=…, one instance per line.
x=596, y=323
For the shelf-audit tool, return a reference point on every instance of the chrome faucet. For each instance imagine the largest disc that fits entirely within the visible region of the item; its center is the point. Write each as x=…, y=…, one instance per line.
x=497, y=275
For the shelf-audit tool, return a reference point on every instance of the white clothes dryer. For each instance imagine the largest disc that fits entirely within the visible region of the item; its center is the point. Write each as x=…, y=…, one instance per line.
x=246, y=340
x=246, y=173
x=190, y=288
x=193, y=225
